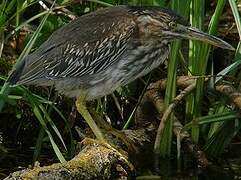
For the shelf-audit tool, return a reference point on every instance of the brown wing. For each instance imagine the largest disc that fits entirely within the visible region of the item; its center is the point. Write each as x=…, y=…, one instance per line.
x=85, y=46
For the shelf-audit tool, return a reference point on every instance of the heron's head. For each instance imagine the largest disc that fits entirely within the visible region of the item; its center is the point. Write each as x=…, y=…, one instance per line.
x=166, y=24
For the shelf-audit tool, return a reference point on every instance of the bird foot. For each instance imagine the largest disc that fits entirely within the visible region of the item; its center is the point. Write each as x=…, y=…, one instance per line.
x=106, y=127
x=122, y=138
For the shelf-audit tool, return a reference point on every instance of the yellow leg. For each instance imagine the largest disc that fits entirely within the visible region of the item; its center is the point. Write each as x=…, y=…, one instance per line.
x=117, y=133
x=82, y=109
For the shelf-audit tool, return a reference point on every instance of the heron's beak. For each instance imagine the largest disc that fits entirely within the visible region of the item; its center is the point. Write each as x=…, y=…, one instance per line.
x=195, y=34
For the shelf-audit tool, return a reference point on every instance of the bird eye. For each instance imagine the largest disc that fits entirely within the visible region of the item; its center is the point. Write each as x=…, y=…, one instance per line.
x=172, y=24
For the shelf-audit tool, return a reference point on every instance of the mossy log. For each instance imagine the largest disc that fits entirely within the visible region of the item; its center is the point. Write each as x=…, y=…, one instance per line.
x=95, y=161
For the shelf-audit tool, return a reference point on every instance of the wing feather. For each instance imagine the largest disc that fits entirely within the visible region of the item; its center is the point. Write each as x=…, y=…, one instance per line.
x=88, y=60
x=88, y=45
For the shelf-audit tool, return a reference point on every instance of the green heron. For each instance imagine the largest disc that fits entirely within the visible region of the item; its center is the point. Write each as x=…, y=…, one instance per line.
x=98, y=52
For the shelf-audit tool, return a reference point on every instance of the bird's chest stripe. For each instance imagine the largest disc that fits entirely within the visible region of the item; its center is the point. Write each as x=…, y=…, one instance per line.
x=145, y=56
x=141, y=61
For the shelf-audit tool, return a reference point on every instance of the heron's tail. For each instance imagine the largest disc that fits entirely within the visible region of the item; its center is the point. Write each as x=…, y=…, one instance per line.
x=15, y=74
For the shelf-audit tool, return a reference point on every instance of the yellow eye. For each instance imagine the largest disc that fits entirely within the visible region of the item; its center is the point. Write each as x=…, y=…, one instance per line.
x=173, y=24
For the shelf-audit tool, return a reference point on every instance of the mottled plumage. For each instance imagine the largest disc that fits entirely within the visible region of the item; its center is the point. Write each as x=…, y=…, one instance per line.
x=98, y=52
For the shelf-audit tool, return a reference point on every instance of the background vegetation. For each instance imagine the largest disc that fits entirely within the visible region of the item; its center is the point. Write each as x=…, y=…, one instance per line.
x=35, y=122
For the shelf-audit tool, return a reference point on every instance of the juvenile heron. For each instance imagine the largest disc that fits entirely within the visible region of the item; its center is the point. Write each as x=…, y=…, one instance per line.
x=95, y=54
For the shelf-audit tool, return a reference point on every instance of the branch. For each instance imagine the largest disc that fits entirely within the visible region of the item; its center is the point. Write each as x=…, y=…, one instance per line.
x=231, y=92
x=153, y=98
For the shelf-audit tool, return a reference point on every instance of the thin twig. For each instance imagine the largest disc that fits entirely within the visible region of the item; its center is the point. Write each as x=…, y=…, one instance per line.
x=1, y=41
x=59, y=9
x=168, y=112
x=117, y=105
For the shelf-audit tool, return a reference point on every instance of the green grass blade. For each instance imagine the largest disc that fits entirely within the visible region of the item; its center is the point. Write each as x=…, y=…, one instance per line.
x=170, y=93
x=41, y=118
x=211, y=119
x=235, y=11
x=222, y=137
x=101, y=2
x=165, y=144
x=72, y=145
x=46, y=115
x=38, y=145
x=198, y=55
x=137, y=104
x=5, y=89
x=232, y=68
